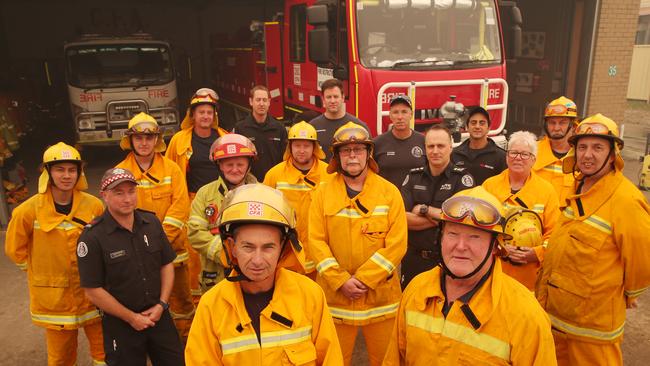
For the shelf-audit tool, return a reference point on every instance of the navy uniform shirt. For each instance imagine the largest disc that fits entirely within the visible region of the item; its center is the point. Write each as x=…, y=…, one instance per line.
x=126, y=264
x=420, y=187
x=270, y=139
x=397, y=157
x=483, y=163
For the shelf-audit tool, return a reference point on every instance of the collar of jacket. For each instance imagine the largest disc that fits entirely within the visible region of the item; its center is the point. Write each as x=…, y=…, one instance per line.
x=545, y=156
x=463, y=148
x=483, y=309
x=447, y=172
x=112, y=225
x=153, y=174
x=286, y=290
x=526, y=193
x=292, y=175
x=597, y=195
x=184, y=139
x=46, y=213
x=370, y=196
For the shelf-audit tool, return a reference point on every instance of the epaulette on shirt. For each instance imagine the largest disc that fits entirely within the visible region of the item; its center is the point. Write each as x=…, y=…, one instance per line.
x=417, y=170
x=458, y=169
x=146, y=211
x=94, y=222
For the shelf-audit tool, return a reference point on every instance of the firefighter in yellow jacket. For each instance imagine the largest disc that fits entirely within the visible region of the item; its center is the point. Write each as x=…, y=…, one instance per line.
x=41, y=239
x=518, y=186
x=357, y=237
x=301, y=172
x=560, y=118
x=467, y=311
x=189, y=148
x=234, y=155
x=264, y=314
x=598, y=258
x=162, y=190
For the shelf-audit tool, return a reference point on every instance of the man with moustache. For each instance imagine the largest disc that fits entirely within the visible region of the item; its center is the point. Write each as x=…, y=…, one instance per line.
x=401, y=149
x=424, y=190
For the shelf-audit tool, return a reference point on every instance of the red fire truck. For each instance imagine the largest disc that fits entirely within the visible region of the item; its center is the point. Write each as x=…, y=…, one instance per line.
x=448, y=55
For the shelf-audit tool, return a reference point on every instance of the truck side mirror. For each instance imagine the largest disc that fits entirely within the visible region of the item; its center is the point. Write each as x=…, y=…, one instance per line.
x=341, y=72
x=317, y=15
x=511, y=21
x=318, y=41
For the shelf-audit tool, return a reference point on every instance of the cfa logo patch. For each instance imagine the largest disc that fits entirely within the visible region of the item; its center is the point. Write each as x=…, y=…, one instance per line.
x=82, y=249
x=417, y=152
x=467, y=180
x=231, y=149
x=255, y=209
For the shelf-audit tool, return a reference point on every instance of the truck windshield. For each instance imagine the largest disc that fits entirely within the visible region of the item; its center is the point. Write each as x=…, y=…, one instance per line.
x=425, y=34
x=103, y=66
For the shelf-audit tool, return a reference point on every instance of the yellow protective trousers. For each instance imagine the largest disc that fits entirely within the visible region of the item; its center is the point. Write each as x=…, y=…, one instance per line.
x=62, y=345
x=194, y=266
x=376, y=335
x=574, y=352
x=181, y=305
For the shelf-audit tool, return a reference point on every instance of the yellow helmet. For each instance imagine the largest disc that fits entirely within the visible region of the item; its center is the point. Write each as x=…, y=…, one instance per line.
x=525, y=227
x=351, y=133
x=304, y=131
x=61, y=153
x=261, y=204
x=142, y=124
x=561, y=107
x=597, y=125
x=201, y=96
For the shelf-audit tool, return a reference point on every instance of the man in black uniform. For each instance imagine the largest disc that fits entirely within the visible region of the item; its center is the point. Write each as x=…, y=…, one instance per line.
x=424, y=190
x=400, y=149
x=126, y=269
x=479, y=154
x=268, y=134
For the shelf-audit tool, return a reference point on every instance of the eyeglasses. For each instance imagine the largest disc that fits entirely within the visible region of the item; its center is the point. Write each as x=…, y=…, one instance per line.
x=524, y=155
x=559, y=109
x=592, y=128
x=347, y=151
x=460, y=208
x=146, y=128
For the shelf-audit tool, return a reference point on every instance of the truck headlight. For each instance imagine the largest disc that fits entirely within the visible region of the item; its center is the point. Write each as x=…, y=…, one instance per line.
x=86, y=123
x=170, y=118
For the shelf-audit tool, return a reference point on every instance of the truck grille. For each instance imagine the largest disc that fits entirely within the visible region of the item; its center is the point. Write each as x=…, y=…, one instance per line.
x=124, y=111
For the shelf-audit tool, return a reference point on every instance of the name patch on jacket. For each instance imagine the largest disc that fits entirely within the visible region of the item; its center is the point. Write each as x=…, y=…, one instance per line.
x=119, y=253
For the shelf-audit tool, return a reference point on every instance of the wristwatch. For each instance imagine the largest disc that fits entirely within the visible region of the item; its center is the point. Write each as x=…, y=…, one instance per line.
x=424, y=210
x=164, y=305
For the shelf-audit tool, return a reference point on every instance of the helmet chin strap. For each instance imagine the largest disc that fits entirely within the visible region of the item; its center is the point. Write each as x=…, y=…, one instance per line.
x=557, y=138
x=451, y=274
x=231, y=185
x=575, y=162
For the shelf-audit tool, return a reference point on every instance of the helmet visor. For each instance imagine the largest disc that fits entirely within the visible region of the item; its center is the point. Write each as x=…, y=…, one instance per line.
x=462, y=208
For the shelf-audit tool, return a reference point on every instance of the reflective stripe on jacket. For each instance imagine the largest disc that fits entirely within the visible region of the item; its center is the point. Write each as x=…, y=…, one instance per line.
x=298, y=190
x=512, y=327
x=163, y=191
x=597, y=257
x=538, y=195
x=295, y=328
x=549, y=167
x=44, y=242
x=365, y=237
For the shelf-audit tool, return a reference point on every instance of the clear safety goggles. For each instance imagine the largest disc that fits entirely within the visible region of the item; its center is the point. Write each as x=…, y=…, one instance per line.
x=461, y=208
x=145, y=128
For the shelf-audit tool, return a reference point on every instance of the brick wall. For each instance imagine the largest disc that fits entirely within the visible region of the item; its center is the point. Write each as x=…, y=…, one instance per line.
x=617, y=24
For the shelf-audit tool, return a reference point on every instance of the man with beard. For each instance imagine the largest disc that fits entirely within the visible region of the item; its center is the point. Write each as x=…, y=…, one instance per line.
x=400, y=149
x=234, y=156
x=479, y=154
x=298, y=176
x=560, y=117
x=268, y=135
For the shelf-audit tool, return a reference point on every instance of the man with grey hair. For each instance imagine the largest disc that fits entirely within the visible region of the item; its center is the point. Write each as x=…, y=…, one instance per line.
x=519, y=188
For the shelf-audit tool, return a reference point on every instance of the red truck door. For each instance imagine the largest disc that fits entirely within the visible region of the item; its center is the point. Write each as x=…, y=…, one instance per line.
x=273, y=44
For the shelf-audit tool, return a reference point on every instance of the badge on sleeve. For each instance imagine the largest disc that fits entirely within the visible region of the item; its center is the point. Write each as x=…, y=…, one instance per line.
x=82, y=249
x=467, y=180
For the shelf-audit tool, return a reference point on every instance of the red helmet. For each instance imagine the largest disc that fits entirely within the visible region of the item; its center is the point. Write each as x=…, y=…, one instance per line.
x=230, y=146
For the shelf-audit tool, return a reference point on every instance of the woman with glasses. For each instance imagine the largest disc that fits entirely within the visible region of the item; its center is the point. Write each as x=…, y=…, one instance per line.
x=518, y=187
x=190, y=149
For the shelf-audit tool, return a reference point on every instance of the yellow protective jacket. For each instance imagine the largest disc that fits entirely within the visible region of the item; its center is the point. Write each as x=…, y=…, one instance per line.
x=44, y=242
x=179, y=149
x=549, y=167
x=202, y=229
x=597, y=259
x=365, y=237
x=163, y=191
x=538, y=195
x=298, y=190
x=514, y=330
x=295, y=328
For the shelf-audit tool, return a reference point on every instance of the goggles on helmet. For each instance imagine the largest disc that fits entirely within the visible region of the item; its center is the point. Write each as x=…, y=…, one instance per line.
x=145, y=128
x=558, y=110
x=592, y=129
x=204, y=96
x=460, y=209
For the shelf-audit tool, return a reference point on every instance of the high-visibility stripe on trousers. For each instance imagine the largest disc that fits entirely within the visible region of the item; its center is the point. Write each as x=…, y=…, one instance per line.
x=574, y=352
x=376, y=335
x=62, y=345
